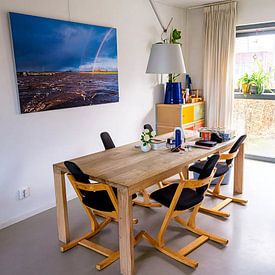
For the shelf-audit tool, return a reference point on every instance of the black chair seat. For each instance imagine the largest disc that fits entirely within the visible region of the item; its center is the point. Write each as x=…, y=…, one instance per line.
x=188, y=197
x=100, y=200
x=222, y=168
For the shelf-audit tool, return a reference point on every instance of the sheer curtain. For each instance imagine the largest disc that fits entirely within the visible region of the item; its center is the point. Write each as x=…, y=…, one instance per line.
x=219, y=37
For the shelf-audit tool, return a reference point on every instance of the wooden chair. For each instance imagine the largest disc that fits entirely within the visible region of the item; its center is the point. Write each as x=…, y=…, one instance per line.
x=109, y=144
x=100, y=198
x=179, y=197
x=222, y=168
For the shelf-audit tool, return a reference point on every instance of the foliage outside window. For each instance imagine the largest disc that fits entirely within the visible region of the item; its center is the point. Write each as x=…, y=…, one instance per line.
x=254, y=64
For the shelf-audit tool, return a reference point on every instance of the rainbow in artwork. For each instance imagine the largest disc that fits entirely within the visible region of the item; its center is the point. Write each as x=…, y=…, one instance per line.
x=61, y=64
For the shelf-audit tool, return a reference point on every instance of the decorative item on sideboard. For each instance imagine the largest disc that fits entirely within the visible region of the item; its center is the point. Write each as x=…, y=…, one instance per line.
x=192, y=96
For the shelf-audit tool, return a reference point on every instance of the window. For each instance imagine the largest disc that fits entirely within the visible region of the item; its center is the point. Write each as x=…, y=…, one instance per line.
x=254, y=104
x=255, y=53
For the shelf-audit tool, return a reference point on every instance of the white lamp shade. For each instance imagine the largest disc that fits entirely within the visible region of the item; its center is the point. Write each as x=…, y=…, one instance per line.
x=166, y=59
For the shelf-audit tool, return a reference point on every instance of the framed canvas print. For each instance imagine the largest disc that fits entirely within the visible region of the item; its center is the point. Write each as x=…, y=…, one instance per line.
x=61, y=64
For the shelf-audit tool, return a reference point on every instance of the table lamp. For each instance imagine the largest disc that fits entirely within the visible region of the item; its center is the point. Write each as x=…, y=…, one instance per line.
x=167, y=58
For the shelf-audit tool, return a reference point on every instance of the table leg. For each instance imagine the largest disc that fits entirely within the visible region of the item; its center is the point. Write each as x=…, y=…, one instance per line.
x=239, y=171
x=126, y=236
x=61, y=206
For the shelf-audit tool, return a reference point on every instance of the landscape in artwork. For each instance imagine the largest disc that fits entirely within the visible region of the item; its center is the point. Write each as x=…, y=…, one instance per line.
x=62, y=64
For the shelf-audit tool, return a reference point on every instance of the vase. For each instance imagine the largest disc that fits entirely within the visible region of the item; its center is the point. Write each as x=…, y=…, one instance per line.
x=173, y=93
x=145, y=148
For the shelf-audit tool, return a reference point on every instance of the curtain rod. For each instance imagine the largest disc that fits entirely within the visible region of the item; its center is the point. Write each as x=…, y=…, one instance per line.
x=211, y=4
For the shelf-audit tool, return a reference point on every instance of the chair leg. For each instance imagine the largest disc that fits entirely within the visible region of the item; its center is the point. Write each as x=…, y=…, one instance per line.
x=107, y=261
x=216, y=189
x=167, y=251
x=114, y=255
x=193, y=228
x=88, y=235
x=216, y=210
x=221, y=196
x=163, y=228
x=111, y=256
x=146, y=200
x=212, y=211
x=180, y=255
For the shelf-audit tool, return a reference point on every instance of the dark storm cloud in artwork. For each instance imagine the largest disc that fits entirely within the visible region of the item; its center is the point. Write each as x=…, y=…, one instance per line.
x=43, y=44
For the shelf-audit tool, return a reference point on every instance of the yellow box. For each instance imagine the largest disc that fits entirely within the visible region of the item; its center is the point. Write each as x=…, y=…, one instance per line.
x=187, y=114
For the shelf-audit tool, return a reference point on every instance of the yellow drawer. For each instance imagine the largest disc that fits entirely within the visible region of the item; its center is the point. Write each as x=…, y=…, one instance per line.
x=187, y=114
x=198, y=112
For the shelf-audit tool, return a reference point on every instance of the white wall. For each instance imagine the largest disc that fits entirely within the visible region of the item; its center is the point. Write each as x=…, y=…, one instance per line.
x=31, y=143
x=255, y=11
x=249, y=12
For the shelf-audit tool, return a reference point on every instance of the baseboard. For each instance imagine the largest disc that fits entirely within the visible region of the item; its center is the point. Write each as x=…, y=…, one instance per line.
x=27, y=215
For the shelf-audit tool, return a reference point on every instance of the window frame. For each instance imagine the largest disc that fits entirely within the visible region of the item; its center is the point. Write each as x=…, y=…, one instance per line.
x=252, y=30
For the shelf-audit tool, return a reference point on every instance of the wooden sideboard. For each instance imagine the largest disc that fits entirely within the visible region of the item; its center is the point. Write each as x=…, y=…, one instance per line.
x=188, y=116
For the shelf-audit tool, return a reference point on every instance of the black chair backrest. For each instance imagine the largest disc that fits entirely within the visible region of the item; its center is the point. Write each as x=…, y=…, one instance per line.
x=148, y=126
x=78, y=174
x=236, y=147
x=107, y=141
x=206, y=171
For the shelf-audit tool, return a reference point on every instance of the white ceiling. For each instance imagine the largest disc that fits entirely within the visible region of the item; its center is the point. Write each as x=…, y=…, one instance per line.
x=186, y=3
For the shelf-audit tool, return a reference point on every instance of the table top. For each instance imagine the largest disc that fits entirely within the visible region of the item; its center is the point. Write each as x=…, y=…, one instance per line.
x=128, y=167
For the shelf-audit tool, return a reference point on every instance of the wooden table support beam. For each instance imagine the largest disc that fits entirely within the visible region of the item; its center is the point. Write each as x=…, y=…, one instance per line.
x=239, y=171
x=61, y=206
x=126, y=236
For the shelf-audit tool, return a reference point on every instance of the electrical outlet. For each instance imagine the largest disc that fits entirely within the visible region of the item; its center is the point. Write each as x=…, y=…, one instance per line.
x=23, y=192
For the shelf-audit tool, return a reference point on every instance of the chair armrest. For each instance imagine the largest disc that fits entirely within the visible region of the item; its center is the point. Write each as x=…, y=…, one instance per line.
x=229, y=156
x=195, y=183
x=199, y=182
x=93, y=187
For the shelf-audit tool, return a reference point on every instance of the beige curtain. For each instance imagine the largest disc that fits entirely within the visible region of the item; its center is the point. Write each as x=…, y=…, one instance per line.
x=219, y=37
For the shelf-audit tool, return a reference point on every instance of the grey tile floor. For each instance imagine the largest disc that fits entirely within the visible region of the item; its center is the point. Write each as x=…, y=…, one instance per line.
x=31, y=246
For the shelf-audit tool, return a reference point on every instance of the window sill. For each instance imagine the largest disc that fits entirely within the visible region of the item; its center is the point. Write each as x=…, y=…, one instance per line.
x=264, y=96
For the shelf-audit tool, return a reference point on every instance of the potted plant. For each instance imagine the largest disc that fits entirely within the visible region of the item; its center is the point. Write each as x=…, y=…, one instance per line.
x=146, y=140
x=255, y=83
x=244, y=82
x=259, y=81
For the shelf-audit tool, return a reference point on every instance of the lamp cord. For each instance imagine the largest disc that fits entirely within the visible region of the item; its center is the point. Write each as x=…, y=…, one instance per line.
x=161, y=24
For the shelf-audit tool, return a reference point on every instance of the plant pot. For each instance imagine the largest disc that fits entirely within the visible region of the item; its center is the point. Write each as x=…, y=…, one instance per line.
x=245, y=88
x=145, y=148
x=173, y=94
x=259, y=89
x=253, y=89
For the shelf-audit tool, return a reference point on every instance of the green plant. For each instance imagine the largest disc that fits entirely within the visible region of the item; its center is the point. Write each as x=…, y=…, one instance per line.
x=147, y=136
x=175, y=36
x=245, y=79
x=258, y=79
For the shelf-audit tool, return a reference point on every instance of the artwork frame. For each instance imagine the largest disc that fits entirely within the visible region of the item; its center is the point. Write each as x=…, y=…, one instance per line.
x=62, y=64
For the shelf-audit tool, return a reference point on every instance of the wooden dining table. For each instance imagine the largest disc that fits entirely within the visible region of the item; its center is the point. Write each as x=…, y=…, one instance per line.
x=130, y=170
